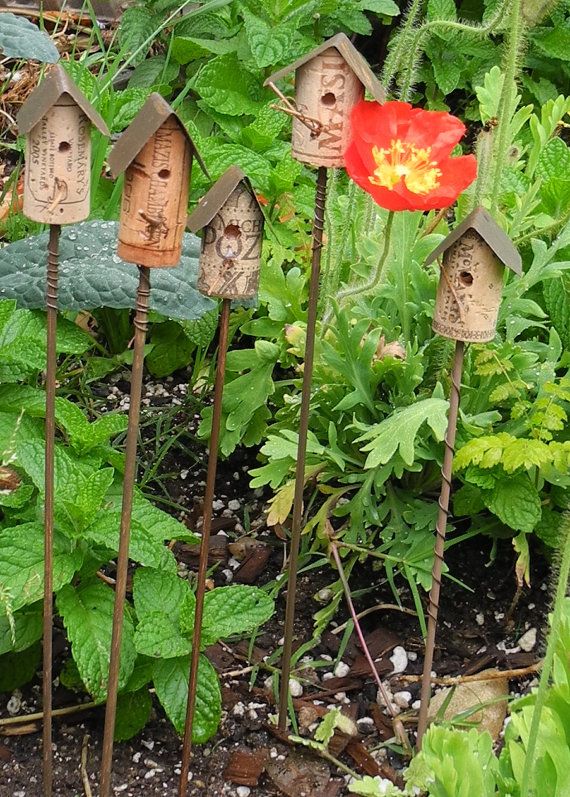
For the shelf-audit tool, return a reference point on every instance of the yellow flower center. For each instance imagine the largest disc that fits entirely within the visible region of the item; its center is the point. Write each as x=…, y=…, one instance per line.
x=403, y=160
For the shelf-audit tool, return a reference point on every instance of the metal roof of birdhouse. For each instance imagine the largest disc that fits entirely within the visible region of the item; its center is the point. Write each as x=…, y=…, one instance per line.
x=212, y=202
x=483, y=224
x=149, y=119
x=353, y=58
x=47, y=93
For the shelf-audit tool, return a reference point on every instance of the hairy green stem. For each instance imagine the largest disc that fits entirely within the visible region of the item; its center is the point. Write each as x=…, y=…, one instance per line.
x=374, y=280
x=541, y=695
x=400, y=52
x=513, y=44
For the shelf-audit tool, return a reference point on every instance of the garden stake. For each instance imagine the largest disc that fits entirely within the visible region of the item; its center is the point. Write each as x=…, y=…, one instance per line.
x=155, y=152
x=56, y=120
x=329, y=81
x=232, y=221
x=297, y=518
x=466, y=310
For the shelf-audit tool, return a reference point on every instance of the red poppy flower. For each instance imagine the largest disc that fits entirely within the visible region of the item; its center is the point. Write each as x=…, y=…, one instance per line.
x=401, y=156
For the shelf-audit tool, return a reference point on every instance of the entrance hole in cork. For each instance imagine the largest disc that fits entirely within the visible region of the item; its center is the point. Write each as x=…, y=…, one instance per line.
x=466, y=278
x=328, y=99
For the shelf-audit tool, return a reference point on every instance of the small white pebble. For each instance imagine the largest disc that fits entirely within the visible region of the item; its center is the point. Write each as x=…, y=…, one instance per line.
x=480, y=618
x=217, y=505
x=295, y=687
x=243, y=791
x=341, y=670
x=238, y=710
x=402, y=699
x=416, y=705
x=235, y=505
x=326, y=676
x=137, y=757
x=399, y=659
x=528, y=640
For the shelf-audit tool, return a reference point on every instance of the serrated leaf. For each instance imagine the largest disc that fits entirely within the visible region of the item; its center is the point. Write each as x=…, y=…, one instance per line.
x=187, y=614
x=399, y=431
x=269, y=43
x=234, y=610
x=522, y=453
x=153, y=72
x=133, y=713
x=557, y=298
x=158, y=635
x=22, y=563
x=22, y=629
x=516, y=503
x=112, y=284
x=227, y=88
x=141, y=674
x=136, y=24
x=20, y=38
x=171, y=349
x=387, y=7
x=555, y=42
x=87, y=613
x=189, y=48
x=154, y=590
x=170, y=678
x=441, y=9
x=554, y=160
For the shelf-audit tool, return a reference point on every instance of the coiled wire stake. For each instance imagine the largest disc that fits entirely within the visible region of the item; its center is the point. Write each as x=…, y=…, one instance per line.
x=440, y=532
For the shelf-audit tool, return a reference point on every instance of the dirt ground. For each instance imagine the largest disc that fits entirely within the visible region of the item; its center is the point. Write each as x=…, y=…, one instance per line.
x=474, y=634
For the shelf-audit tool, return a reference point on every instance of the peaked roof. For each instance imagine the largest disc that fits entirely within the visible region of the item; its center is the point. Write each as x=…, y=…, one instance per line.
x=353, y=58
x=47, y=93
x=212, y=202
x=484, y=224
x=151, y=116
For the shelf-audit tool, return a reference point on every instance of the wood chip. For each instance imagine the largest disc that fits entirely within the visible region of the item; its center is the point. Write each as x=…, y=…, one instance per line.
x=245, y=768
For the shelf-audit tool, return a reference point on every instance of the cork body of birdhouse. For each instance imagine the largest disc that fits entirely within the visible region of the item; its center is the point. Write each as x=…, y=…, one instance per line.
x=469, y=290
x=231, y=248
x=155, y=198
x=326, y=90
x=58, y=163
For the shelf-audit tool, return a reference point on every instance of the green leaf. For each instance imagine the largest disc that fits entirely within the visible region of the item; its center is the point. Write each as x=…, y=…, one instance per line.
x=153, y=72
x=398, y=432
x=112, y=284
x=171, y=349
x=387, y=7
x=269, y=43
x=554, y=160
x=22, y=563
x=133, y=713
x=87, y=613
x=16, y=669
x=190, y=48
x=516, y=502
x=554, y=42
x=154, y=590
x=557, y=298
x=158, y=636
x=170, y=678
x=229, y=611
x=22, y=629
x=187, y=614
x=20, y=38
x=226, y=87
x=441, y=9
x=134, y=29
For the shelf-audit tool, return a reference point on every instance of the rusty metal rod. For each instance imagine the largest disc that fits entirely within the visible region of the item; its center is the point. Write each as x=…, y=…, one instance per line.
x=51, y=368
x=318, y=225
x=440, y=531
x=205, y=544
x=140, y=324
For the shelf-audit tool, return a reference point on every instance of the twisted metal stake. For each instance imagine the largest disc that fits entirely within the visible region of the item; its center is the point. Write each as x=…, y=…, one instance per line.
x=440, y=531
x=318, y=225
x=205, y=545
x=140, y=324
x=51, y=368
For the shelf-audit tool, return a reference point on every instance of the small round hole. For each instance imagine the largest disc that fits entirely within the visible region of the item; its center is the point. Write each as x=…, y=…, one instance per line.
x=64, y=146
x=61, y=210
x=232, y=231
x=466, y=277
x=328, y=99
x=164, y=174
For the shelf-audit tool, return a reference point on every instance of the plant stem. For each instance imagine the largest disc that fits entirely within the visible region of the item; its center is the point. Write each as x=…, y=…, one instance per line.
x=553, y=638
x=513, y=42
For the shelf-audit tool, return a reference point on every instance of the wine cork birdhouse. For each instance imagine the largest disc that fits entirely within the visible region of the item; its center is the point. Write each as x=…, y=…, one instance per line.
x=329, y=81
x=232, y=223
x=57, y=120
x=471, y=282
x=155, y=152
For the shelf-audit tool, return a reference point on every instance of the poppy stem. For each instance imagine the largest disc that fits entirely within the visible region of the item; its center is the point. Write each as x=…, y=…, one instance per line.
x=374, y=280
